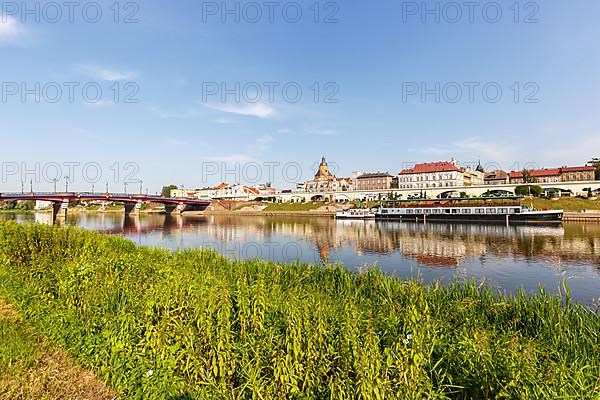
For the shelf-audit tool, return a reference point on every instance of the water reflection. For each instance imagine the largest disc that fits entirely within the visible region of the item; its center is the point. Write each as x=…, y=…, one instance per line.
x=506, y=256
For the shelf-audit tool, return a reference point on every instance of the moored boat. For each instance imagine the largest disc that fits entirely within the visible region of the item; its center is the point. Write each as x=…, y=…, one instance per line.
x=355, y=213
x=504, y=210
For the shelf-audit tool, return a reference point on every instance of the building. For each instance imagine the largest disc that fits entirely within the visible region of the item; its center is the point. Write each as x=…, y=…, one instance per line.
x=325, y=181
x=473, y=177
x=497, y=177
x=431, y=175
x=373, y=181
x=235, y=192
x=183, y=193
x=577, y=174
x=546, y=175
x=553, y=175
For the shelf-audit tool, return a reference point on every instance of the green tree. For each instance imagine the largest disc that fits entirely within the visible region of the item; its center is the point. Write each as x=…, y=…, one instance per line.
x=166, y=190
x=527, y=178
x=526, y=190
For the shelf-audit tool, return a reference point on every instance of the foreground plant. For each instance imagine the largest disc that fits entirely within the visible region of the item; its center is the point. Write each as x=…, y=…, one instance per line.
x=193, y=324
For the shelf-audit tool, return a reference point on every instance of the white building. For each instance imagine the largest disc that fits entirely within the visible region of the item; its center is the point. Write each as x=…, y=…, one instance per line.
x=431, y=175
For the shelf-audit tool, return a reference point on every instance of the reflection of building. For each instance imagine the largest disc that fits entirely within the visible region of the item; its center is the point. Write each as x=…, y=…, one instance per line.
x=325, y=181
x=431, y=175
x=373, y=181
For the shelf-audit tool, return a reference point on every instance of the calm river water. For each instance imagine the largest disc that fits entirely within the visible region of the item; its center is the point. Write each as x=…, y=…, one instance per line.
x=504, y=257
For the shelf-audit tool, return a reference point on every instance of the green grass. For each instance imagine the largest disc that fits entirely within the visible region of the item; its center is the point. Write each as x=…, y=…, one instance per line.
x=564, y=203
x=293, y=207
x=192, y=324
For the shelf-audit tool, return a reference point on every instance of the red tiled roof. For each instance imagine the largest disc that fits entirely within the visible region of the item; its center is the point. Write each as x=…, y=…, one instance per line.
x=577, y=169
x=424, y=168
x=551, y=171
x=537, y=173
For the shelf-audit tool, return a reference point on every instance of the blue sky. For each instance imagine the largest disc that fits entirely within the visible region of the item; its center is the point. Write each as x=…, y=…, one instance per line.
x=180, y=133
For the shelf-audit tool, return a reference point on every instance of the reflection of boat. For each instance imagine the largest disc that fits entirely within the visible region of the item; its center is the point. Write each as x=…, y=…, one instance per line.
x=355, y=213
x=477, y=210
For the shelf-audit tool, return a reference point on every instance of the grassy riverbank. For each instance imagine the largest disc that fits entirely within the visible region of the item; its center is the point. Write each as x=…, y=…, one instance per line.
x=564, y=203
x=192, y=324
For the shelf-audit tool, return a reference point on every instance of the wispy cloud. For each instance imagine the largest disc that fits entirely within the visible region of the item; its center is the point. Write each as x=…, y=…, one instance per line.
x=11, y=31
x=473, y=147
x=255, y=110
x=106, y=74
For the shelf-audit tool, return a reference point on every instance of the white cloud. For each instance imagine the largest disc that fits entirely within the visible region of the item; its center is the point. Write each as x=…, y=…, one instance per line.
x=11, y=31
x=254, y=110
x=473, y=148
x=106, y=74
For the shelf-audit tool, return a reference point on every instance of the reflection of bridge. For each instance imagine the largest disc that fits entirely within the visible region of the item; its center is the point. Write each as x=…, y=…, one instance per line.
x=132, y=202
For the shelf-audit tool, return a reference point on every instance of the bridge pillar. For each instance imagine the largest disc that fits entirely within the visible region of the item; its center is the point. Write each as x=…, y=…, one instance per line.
x=133, y=208
x=59, y=209
x=170, y=208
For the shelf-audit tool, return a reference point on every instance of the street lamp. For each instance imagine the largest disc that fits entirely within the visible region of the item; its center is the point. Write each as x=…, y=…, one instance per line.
x=31, y=186
x=22, y=187
x=54, y=180
x=66, y=183
x=107, y=187
x=125, y=187
x=141, y=183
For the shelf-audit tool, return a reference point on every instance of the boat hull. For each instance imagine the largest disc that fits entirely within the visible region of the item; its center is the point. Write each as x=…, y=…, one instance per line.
x=536, y=217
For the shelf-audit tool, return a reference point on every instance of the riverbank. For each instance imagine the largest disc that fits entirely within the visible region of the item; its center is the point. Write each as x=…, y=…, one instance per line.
x=194, y=324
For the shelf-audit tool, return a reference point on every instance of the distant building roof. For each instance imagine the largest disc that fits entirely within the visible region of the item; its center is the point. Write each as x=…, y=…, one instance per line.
x=585, y=168
x=374, y=175
x=536, y=173
x=495, y=175
x=424, y=168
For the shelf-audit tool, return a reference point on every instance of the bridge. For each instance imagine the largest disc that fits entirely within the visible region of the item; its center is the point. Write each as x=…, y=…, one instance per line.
x=132, y=202
x=574, y=188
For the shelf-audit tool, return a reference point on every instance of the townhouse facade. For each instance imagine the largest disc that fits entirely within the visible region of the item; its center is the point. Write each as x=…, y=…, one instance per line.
x=431, y=175
x=373, y=181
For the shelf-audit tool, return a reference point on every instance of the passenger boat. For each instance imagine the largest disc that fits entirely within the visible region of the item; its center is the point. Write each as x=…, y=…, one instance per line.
x=506, y=210
x=355, y=213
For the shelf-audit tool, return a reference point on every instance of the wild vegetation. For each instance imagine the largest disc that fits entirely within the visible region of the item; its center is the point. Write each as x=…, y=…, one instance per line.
x=193, y=324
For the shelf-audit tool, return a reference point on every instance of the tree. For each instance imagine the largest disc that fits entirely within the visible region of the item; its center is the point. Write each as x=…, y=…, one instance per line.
x=525, y=190
x=527, y=178
x=166, y=190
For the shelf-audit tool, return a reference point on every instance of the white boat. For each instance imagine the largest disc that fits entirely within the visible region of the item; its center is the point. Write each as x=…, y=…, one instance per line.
x=355, y=213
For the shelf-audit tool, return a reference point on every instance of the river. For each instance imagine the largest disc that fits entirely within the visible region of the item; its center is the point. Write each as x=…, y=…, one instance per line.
x=504, y=257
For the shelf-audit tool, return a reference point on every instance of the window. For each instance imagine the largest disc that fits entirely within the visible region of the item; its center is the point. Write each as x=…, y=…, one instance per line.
x=491, y=211
x=503, y=211
x=467, y=211
x=455, y=211
x=418, y=211
x=409, y=211
x=480, y=211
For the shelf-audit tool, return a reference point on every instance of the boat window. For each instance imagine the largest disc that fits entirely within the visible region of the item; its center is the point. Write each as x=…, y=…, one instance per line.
x=447, y=211
x=480, y=211
x=503, y=211
x=491, y=211
x=517, y=210
x=455, y=211
x=427, y=211
x=384, y=211
x=409, y=211
x=418, y=211
x=467, y=211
